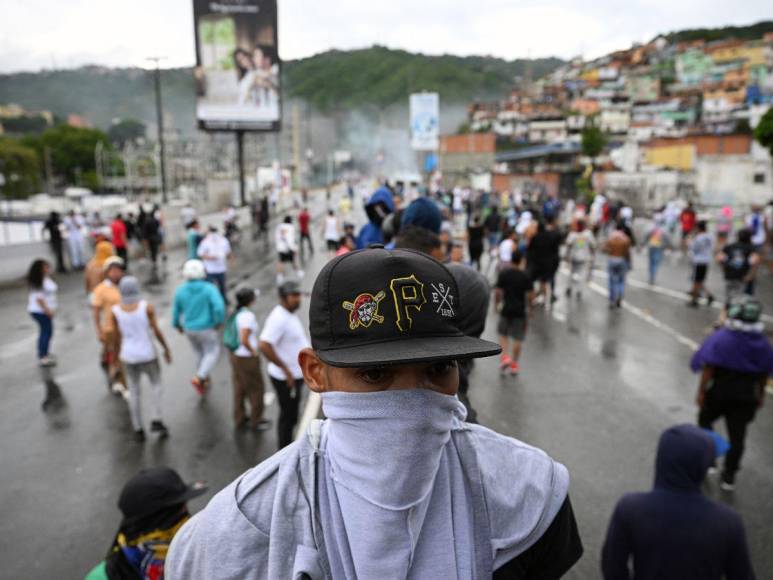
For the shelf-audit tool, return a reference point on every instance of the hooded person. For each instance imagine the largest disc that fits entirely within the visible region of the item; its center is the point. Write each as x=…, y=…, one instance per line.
x=378, y=207
x=154, y=508
x=393, y=483
x=674, y=531
x=734, y=364
x=94, y=272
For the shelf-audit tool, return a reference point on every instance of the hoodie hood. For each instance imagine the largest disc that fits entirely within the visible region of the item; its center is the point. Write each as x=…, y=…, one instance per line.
x=424, y=213
x=685, y=453
x=735, y=350
x=379, y=205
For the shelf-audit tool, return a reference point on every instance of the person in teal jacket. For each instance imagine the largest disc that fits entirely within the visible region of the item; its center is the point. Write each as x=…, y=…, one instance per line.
x=198, y=310
x=192, y=239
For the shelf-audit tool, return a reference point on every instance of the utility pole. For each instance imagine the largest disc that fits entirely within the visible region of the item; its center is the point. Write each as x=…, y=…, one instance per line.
x=160, y=123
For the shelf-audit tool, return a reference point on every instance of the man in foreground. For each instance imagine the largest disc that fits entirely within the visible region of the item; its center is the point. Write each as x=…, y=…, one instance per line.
x=394, y=484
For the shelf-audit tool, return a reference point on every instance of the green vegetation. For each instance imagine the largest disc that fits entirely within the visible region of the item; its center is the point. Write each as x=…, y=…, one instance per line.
x=751, y=32
x=593, y=142
x=763, y=133
x=126, y=130
x=380, y=76
x=20, y=166
x=372, y=77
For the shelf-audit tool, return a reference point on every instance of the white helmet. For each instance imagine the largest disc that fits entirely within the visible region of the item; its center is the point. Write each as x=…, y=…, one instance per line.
x=194, y=270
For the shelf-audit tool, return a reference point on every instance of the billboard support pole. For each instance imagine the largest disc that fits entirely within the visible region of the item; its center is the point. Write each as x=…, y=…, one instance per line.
x=160, y=123
x=240, y=160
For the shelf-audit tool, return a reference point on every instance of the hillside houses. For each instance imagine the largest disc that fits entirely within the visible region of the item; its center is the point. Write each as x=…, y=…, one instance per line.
x=684, y=108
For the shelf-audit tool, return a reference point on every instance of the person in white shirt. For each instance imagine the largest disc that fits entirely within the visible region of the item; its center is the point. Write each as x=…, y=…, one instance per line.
x=73, y=224
x=215, y=251
x=282, y=338
x=135, y=324
x=41, y=305
x=580, y=251
x=286, y=246
x=246, y=374
x=506, y=249
x=331, y=232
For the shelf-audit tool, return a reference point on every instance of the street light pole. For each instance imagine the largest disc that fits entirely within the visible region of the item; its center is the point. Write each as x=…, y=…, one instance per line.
x=160, y=124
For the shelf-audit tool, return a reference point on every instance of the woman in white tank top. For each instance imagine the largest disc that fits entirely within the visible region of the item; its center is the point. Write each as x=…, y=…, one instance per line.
x=135, y=322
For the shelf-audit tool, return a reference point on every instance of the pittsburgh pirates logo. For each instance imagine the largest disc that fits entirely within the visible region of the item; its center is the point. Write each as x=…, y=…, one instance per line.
x=407, y=292
x=364, y=310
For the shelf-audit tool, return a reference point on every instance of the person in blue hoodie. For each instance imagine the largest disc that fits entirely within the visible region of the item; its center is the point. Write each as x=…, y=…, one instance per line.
x=197, y=310
x=674, y=532
x=378, y=207
x=734, y=364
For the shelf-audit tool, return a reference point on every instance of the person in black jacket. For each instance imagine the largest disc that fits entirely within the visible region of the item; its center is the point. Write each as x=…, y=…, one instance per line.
x=674, y=532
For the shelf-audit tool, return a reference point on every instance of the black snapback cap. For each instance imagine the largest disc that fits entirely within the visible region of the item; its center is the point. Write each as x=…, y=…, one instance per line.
x=384, y=307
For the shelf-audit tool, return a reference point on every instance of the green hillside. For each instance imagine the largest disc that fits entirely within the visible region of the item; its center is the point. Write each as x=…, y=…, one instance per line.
x=751, y=32
x=375, y=76
x=380, y=76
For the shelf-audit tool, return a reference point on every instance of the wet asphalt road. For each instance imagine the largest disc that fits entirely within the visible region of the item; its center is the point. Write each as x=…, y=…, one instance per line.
x=595, y=391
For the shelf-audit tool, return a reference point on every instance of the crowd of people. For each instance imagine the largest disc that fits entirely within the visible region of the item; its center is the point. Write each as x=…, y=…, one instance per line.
x=390, y=348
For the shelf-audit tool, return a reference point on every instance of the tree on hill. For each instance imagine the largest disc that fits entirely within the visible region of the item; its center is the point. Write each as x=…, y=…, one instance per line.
x=72, y=152
x=20, y=167
x=126, y=130
x=593, y=141
x=763, y=133
x=751, y=32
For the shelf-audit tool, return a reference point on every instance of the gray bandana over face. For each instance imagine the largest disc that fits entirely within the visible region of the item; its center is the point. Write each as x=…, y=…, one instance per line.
x=389, y=474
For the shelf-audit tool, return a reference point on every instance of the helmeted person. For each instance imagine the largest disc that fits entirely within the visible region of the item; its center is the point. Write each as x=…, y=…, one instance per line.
x=394, y=483
x=378, y=207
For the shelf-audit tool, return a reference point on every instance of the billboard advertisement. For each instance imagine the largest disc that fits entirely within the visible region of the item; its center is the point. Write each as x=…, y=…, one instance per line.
x=425, y=121
x=237, y=65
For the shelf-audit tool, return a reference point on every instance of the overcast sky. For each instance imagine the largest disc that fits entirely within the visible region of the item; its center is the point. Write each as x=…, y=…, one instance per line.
x=37, y=34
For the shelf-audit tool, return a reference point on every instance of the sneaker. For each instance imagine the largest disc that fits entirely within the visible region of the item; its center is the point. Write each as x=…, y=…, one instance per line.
x=619, y=303
x=504, y=361
x=139, y=435
x=728, y=482
x=117, y=388
x=514, y=368
x=47, y=361
x=710, y=300
x=713, y=471
x=160, y=428
x=198, y=384
x=262, y=425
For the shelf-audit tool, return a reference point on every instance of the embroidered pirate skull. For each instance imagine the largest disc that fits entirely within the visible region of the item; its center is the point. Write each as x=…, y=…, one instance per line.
x=364, y=310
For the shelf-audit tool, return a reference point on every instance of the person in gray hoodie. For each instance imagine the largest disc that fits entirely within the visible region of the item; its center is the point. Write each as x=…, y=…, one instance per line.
x=393, y=483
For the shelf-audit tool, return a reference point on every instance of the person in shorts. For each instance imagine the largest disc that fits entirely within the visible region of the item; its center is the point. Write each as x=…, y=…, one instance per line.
x=286, y=246
x=513, y=298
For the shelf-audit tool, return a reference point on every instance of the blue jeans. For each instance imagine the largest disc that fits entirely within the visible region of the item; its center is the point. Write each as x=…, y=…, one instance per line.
x=46, y=332
x=219, y=281
x=617, y=269
x=656, y=256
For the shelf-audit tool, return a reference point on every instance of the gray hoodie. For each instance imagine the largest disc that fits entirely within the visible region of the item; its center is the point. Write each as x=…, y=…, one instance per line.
x=266, y=524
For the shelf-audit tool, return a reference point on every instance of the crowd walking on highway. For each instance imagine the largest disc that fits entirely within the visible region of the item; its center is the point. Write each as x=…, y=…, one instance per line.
x=393, y=328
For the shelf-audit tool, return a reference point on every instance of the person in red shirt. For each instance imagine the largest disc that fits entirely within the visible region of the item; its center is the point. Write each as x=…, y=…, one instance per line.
x=687, y=219
x=118, y=229
x=304, y=219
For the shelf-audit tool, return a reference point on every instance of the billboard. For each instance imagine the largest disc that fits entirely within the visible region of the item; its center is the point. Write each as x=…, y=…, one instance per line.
x=425, y=121
x=237, y=65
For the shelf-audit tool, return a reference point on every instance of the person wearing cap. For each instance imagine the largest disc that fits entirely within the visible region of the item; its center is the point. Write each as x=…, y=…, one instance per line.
x=247, y=376
x=215, y=251
x=734, y=365
x=154, y=505
x=134, y=320
x=393, y=483
x=674, y=532
x=283, y=337
x=198, y=309
x=103, y=298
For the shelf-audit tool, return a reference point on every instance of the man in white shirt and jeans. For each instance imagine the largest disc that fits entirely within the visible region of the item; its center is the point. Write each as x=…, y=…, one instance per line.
x=215, y=250
x=282, y=338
